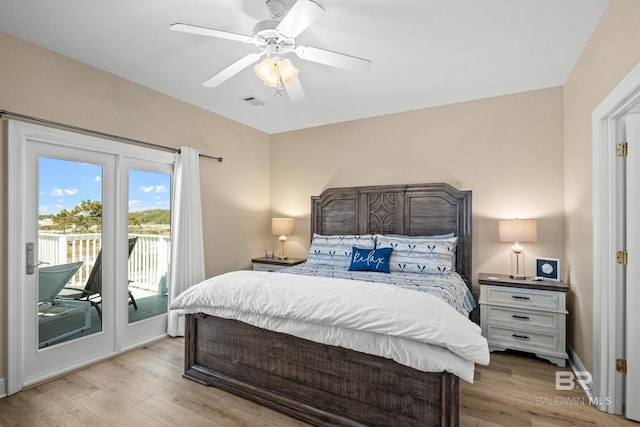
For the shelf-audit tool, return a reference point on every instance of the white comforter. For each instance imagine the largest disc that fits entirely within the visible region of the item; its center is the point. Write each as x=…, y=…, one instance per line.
x=413, y=328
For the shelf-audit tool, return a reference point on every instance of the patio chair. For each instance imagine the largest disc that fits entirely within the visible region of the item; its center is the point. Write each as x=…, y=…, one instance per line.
x=92, y=291
x=51, y=281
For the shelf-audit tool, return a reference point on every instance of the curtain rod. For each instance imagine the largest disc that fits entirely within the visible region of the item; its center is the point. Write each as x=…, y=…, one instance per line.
x=95, y=132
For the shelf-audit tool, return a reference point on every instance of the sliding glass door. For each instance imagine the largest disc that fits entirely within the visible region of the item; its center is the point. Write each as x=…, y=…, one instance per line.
x=67, y=305
x=89, y=249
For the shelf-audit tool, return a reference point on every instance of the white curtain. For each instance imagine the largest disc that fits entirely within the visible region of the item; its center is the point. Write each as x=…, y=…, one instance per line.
x=187, y=247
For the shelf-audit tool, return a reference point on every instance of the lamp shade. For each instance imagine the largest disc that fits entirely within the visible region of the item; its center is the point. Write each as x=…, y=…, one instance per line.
x=267, y=72
x=518, y=230
x=287, y=71
x=282, y=226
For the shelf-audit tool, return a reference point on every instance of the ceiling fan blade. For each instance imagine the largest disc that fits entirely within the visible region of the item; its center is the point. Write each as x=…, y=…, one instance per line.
x=232, y=70
x=209, y=32
x=302, y=14
x=334, y=59
x=294, y=90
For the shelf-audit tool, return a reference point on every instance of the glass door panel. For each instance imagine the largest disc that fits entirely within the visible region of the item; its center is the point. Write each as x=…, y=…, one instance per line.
x=68, y=229
x=149, y=234
x=69, y=241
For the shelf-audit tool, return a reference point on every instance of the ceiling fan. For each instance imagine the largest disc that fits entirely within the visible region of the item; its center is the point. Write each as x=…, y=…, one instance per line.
x=275, y=38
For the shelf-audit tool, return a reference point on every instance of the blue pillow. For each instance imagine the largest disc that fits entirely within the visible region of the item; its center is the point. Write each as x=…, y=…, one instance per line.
x=370, y=259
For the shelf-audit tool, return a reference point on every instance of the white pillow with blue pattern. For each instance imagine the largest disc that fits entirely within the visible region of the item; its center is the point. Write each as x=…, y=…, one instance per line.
x=420, y=255
x=335, y=251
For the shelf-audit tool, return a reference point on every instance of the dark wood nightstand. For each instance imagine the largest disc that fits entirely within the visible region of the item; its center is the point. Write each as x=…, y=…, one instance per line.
x=274, y=264
x=526, y=315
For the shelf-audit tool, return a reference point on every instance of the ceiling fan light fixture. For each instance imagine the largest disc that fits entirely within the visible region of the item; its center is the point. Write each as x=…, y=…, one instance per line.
x=271, y=72
x=266, y=71
x=272, y=83
x=288, y=72
x=265, y=68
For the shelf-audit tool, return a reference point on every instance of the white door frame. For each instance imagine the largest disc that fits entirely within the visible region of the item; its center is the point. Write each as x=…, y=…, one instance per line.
x=608, y=338
x=16, y=257
x=631, y=289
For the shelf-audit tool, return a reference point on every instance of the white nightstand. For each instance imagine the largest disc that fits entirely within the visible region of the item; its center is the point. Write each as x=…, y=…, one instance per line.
x=274, y=264
x=524, y=315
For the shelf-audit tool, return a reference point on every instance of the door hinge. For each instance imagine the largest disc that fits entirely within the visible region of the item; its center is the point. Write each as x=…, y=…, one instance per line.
x=621, y=365
x=622, y=149
x=622, y=257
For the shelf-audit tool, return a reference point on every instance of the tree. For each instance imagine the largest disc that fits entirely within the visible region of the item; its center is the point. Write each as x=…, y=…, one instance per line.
x=87, y=216
x=63, y=220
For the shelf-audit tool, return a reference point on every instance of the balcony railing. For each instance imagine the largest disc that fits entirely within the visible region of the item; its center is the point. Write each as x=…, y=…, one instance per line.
x=148, y=262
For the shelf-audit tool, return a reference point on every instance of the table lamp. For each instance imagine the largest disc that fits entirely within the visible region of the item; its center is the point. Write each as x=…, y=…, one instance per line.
x=517, y=231
x=282, y=227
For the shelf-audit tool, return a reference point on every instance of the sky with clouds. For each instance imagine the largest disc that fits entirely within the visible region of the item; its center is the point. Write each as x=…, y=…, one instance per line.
x=64, y=184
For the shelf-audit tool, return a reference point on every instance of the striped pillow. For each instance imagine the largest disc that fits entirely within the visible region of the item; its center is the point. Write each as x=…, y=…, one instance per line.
x=420, y=255
x=335, y=251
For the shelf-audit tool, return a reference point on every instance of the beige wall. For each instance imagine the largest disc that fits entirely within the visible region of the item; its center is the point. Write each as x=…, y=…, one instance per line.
x=507, y=150
x=614, y=49
x=235, y=193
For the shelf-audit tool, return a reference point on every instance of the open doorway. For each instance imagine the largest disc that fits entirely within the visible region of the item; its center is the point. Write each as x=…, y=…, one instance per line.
x=616, y=376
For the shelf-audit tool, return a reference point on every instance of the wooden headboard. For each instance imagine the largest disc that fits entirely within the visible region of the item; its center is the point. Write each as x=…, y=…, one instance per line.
x=413, y=210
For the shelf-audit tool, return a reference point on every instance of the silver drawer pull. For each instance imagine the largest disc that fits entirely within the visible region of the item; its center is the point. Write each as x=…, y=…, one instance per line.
x=519, y=297
x=522, y=337
x=515, y=316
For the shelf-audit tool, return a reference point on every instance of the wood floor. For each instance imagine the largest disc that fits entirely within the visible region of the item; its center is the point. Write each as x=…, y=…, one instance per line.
x=145, y=388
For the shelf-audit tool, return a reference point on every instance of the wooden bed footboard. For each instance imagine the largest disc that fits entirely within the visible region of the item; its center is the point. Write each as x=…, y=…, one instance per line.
x=320, y=384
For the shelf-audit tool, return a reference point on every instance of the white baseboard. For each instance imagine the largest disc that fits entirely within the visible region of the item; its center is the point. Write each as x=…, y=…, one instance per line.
x=3, y=388
x=577, y=366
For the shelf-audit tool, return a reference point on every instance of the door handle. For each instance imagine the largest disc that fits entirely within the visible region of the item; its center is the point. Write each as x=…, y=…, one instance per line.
x=31, y=259
x=31, y=267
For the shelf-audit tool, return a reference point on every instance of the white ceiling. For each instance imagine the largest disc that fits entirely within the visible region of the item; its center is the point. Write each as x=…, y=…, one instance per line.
x=424, y=52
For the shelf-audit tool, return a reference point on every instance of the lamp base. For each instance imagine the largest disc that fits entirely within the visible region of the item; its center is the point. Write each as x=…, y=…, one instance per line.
x=517, y=265
x=283, y=253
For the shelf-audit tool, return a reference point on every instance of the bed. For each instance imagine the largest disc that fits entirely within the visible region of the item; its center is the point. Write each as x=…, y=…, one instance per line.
x=333, y=385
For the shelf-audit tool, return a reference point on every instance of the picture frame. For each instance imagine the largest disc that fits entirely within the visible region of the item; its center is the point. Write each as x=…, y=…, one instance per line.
x=548, y=268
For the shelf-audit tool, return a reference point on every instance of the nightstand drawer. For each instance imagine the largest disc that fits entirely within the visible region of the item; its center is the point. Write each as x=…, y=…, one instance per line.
x=522, y=339
x=521, y=318
x=267, y=267
x=274, y=264
x=525, y=298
